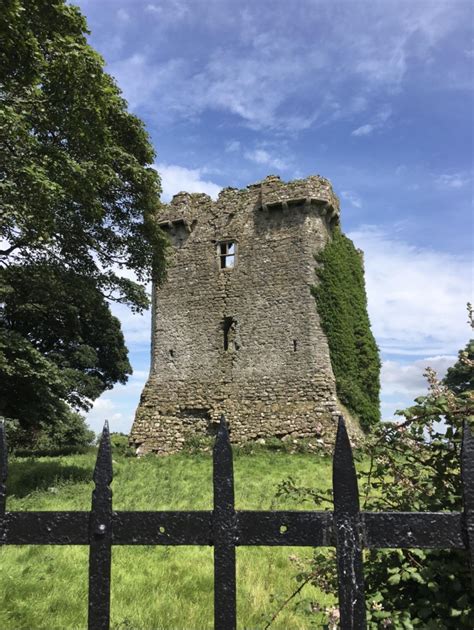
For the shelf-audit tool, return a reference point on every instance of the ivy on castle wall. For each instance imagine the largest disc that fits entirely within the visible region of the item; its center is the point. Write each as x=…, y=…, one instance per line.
x=342, y=306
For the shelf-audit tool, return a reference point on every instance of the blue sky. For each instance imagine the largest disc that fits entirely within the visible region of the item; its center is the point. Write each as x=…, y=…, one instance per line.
x=376, y=96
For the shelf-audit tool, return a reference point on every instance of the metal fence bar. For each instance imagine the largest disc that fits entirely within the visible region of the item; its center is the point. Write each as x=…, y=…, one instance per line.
x=162, y=528
x=425, y=530
x=100, y=533
x=414, y=530
x=467, y=477
x=224, y=532
x=347, y=532
x=285, y=528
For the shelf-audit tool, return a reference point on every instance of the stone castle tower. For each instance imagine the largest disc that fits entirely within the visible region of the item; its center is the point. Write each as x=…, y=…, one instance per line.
x=235, y=328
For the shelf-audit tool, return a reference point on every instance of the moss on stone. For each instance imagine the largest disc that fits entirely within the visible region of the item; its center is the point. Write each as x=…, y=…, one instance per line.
x=342, y=306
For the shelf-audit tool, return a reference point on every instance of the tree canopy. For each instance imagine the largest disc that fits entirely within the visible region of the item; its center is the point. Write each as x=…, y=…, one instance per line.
x=76, y=185
x=78, y=197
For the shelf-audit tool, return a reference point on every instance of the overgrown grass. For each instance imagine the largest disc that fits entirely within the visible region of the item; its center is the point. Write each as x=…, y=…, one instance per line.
x=45, y=588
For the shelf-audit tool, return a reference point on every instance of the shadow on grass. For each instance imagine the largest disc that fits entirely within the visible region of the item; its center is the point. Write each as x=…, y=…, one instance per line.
x=28, y=476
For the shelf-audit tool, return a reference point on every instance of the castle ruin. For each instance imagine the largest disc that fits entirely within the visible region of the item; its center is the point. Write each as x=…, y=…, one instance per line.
x=235, y=328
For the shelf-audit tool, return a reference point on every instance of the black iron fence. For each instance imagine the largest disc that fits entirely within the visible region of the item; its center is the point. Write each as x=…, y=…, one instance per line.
x=346, y=528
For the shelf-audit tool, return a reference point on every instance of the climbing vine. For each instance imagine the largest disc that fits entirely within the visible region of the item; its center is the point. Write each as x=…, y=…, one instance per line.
x=342, y=306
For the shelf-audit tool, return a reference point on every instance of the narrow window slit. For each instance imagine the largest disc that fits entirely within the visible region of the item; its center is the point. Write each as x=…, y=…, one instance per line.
x=295, y=345
x=229, y=326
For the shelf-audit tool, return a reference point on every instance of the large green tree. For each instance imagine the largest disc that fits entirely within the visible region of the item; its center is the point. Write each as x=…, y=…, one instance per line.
x=77, y=201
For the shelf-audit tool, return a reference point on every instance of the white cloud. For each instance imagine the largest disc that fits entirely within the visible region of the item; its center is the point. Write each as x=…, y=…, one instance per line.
x=406, y=379
x=104, y=405
x=352, y=197
x=232, y=147
x=175, y=179
x=417, y=297
x=118, y=405
x=150, y=85
x=402, y=382
x=104, y=409
x=136, y=327
x=378, y=122
x=261, y=156
x=453, y=180
x=169, y=10
x=123, y=15
x=364, y=130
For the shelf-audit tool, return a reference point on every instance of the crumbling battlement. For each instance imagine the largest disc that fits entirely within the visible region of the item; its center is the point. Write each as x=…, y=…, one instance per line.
x=270, y=193
x=235, y=328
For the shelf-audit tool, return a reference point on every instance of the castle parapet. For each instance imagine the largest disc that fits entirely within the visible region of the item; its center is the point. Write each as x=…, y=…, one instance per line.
x=274, y=194
x=270, y=194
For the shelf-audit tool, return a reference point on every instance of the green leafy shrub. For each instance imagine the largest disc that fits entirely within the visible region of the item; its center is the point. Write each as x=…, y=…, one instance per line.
x=342, y=306
x=65, y=436
x=120, y=445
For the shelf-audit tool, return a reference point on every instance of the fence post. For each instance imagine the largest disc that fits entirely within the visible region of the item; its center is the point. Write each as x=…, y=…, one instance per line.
x=3, y=467
x=347, y=530
x=467, y=477
x=100, y=537
x=224, y=527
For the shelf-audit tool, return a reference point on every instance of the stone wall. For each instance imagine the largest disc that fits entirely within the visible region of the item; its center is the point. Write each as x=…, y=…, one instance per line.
x=244, y=341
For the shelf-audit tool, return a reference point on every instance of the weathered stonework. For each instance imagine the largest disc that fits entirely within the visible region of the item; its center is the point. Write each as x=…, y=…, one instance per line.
x=244, y=341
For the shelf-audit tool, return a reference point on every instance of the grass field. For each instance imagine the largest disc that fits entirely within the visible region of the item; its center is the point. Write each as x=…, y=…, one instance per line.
x=45, y=588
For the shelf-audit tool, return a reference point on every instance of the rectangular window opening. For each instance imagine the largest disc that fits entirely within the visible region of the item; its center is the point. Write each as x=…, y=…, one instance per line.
x=227, y=255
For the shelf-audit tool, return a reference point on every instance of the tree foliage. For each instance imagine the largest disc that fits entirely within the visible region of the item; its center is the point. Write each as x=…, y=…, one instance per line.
x=342, y=306
x=77, y=201
x=75, y=183
x=58, y=321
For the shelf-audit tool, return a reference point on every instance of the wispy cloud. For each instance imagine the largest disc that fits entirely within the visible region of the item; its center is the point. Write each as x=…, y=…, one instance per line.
x=169, y=10
x=233, y=146
x=175, y=179
x=352, y=197
x=123, y=15
x=378, y=122
x=363, y=130
x=453, y=180
x=261, y=156
x=265, y=75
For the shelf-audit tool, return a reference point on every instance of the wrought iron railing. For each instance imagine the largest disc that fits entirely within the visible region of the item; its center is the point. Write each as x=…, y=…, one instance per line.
x=346, y=528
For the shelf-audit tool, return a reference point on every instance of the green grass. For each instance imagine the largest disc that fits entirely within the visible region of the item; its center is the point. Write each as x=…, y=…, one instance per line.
x=45, y=587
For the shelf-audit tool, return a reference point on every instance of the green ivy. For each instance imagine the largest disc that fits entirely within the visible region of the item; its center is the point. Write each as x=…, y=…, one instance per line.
x=342, y=306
